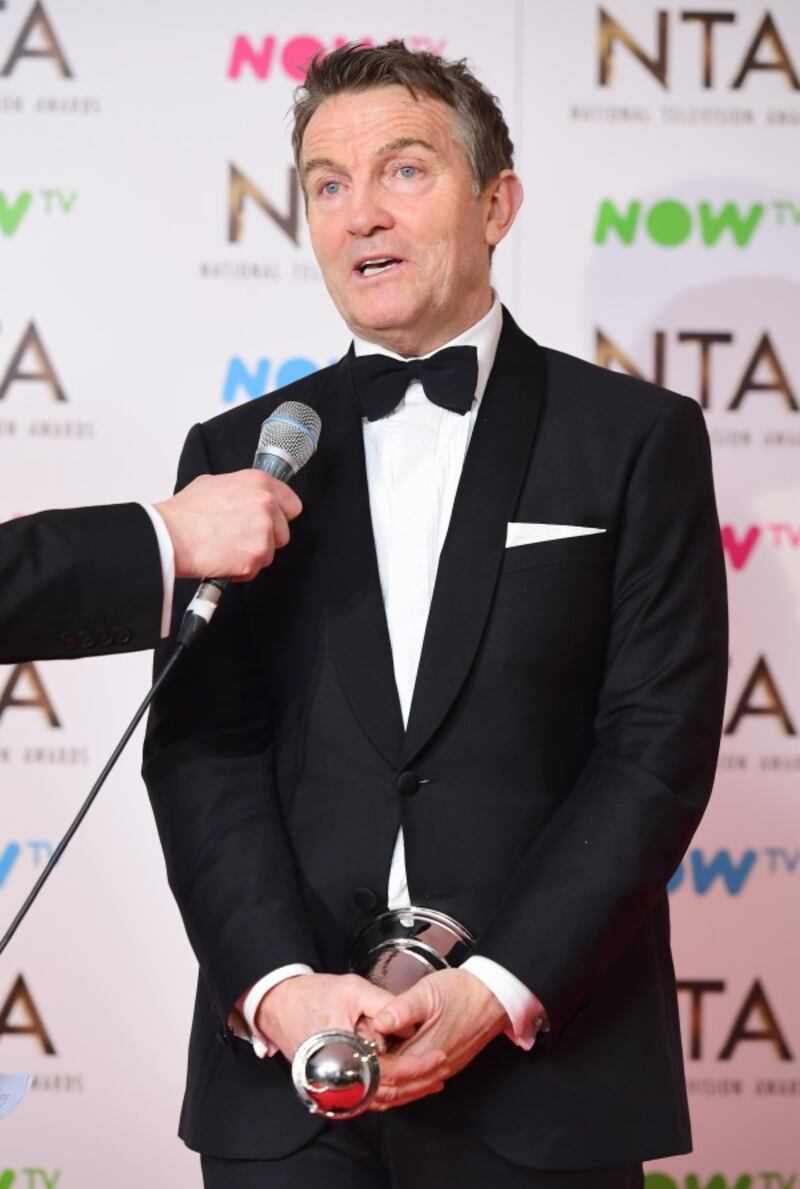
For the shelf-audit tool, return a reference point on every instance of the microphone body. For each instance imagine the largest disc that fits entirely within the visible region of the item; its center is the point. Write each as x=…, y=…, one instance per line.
x=288, y=439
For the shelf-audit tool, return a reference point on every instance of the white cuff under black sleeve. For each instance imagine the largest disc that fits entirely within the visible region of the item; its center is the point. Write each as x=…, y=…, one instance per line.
x=262, y=1045
x=523, y=1009
x=167, y=555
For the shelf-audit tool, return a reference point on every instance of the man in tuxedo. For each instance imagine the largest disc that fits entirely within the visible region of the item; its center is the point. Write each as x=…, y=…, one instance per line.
x=486, y=676
x=85, y=581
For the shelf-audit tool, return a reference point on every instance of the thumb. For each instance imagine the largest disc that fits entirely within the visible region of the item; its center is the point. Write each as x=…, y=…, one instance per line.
x=407, y=1010
x=371, y=999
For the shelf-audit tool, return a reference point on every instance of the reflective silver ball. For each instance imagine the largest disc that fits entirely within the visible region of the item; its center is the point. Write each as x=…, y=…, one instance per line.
x=336, y=1073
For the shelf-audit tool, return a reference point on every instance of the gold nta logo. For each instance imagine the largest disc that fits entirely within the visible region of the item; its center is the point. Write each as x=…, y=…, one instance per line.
x=241, y=187
x=19, y=1002
x=763, y=362
x=36, y=697
x=30, y=361
x=756, y=1020
x=766, y=50
x=36, y=39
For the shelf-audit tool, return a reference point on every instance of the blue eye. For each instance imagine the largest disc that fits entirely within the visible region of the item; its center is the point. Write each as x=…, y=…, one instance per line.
x=407, y=171
x=331, y=188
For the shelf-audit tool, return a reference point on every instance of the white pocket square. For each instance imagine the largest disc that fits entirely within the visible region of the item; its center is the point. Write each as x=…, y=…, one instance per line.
x=532, y=534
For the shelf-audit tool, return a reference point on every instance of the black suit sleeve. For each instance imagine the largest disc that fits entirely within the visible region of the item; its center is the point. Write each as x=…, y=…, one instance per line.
x=608, y=852
x=208, y=769
x=78, y=582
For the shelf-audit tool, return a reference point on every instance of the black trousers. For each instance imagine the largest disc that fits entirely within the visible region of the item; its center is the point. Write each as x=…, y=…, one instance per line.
x=425, y=1146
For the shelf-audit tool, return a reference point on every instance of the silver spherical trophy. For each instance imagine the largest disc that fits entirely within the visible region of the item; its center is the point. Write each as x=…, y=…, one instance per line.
x=336, y=1073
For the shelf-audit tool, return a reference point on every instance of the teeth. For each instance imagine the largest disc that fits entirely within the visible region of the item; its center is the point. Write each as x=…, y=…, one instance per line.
x=373, y=266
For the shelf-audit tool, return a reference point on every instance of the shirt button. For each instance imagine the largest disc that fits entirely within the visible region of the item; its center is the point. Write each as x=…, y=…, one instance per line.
x=408, y=783
x=365, y=898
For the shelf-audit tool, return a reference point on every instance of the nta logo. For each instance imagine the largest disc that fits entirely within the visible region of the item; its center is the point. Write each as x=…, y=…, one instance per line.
x=760, y=698
x=657, y=61
x=31, y=363
x=755, y=1020
x=19, y=1016
x=241, y=187
x=13, y=694
x=297, y=52
x=36, y=39
x=761, y=370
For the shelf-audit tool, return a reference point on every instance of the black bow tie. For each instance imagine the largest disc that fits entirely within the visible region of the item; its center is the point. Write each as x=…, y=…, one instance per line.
x=449, y=379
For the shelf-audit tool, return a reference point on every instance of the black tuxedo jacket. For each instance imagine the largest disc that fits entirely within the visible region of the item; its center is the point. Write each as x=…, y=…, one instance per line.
x=78, y=582
x=560, y=749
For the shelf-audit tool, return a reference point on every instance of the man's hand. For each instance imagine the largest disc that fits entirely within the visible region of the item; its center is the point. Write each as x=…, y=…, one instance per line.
x=228, y=526
x=308, y=1003
x=451, y=1013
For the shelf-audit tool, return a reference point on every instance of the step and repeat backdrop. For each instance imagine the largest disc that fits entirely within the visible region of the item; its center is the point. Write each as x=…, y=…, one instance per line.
x=155, y=270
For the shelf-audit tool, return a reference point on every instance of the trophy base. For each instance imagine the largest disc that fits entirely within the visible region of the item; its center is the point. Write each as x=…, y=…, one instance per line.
x=403, y=945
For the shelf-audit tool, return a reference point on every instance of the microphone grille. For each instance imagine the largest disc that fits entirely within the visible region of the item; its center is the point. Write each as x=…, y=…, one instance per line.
x=294, y=429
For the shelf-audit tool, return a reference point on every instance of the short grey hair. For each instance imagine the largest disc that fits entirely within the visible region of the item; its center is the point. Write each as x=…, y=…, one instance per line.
x=482, y=129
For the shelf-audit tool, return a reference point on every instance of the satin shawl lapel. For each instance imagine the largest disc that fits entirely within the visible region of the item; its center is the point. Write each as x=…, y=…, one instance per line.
x=469, y=565
x=357, y=630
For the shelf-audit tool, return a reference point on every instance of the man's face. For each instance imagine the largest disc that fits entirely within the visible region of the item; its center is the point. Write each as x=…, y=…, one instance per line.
x=400, y=237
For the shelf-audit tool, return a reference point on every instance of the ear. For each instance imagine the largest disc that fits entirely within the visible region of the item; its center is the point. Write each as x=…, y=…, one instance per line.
x=504, y=198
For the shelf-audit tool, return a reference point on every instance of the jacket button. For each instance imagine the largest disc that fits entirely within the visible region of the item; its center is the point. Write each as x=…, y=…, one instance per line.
x=69, y=640
x=86, y=639
x=365, y=898
x=105, y=638
x=122, y=635
x=408, y=783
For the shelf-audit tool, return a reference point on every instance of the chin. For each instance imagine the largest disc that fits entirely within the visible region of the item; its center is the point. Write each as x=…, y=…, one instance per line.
x=384, y=316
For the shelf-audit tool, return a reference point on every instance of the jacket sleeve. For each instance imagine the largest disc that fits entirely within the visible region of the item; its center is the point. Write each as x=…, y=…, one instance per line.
x=79, y=582
x=208, y=770
x=607, y=853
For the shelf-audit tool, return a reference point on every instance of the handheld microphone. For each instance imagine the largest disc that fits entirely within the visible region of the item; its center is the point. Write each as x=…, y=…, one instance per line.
x=287, y=441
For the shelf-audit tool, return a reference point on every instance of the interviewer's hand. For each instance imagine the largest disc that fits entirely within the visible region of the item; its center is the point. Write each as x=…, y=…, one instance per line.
x=295, y=1009
x=228, y=526
x=451, y=1013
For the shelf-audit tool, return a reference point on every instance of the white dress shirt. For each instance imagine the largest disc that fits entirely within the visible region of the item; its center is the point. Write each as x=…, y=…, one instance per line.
x=414, y=457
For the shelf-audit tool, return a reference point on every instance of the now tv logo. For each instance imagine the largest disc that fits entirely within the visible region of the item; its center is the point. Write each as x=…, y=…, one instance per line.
x=293, y=56
x=738, y=546
x=669, y=223
x=701, y=870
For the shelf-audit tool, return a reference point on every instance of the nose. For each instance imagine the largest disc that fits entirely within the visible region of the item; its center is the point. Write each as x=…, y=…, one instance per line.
x=367, y=210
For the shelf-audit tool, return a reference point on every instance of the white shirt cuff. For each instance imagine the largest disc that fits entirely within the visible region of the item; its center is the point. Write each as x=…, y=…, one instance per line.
x=167, y=554
x=525, y=1012
x=262, y=1045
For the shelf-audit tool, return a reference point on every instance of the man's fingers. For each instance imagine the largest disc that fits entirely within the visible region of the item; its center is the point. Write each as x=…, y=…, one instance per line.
x=280, y=526
x=392, y=1096
x=410, y=1067
x=408, y=1010
x=368, y=999
x=288, y=500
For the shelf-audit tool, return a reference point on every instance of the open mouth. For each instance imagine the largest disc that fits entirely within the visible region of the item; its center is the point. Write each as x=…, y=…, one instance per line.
x=376, y=265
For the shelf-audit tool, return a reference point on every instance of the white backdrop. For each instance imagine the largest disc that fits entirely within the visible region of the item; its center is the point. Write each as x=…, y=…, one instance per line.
x=155, y=268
